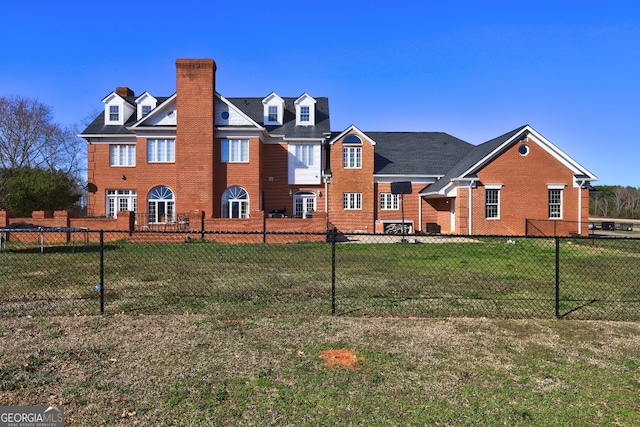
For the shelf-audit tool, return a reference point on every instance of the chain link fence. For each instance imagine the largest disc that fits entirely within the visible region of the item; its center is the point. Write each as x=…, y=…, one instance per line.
x=79, y=272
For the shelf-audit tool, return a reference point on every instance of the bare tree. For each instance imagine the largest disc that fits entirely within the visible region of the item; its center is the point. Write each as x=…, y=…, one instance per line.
x=30, y=138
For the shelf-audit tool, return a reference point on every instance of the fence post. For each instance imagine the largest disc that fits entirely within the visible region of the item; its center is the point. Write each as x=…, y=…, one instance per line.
x=333, y=271
x=557, y=239
x=101, y=271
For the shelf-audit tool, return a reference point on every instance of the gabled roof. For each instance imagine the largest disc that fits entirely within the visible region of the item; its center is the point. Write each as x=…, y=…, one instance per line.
x=98, y=126
x=254, y=108
x=416, y=153
x=480, y=155
x=251, y=107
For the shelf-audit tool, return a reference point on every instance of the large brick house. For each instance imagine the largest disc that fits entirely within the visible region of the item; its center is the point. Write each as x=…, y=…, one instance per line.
x=197, y=152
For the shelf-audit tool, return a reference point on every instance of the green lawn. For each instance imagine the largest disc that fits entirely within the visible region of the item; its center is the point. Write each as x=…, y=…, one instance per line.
x=496, y=277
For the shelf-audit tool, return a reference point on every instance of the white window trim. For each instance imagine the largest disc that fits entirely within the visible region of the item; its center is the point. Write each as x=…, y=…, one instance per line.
x=389, y=202
x=357, y=160
x=560, y=188
x=153, y=153
x=273, y=100
x=304, y=154
x=305, y=101
x=352, y=199
x=129, y=154
x=116, y=196
x=497, y=203
x=235, y=151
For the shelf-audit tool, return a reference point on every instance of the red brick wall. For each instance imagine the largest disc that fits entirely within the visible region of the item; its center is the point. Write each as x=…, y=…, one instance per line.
x=275, y=179
x=195, y=100
x=524, y=192
x=352, y=181
x=246, y=175
x=411, y=206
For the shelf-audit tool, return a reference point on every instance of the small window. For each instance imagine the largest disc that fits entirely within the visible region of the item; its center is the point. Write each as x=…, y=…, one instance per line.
x=523, y=149
x=352, y=201
x=114, y=113
x=146, y=109
x=273, y=113
x=555, y=203
x=304, y=114
x=492, y=203
x=388, y=201
x=352, y=139
x=235, y=150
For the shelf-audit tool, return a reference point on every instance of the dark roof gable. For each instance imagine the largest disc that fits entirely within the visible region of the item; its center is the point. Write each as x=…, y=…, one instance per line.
x=416, y=153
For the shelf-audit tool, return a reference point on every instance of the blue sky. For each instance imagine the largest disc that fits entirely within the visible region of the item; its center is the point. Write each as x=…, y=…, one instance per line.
x=473, y=69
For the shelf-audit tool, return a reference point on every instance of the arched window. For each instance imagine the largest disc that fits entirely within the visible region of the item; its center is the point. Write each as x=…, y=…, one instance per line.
x=235, y=203
x=351, y=152
x=304, y=204
x=161, y=206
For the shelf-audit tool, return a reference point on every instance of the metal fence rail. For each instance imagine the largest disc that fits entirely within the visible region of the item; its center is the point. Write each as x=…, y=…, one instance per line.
x=236, y=274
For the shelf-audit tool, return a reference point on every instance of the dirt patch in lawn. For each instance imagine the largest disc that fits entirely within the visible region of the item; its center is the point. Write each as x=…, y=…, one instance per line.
x=341, y=357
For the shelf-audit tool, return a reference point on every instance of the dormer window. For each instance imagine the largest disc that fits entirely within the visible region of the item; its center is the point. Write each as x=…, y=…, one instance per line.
x=273, y=110
x=145, y=104
x=114, y=113
x=305, y=110
x=273, y=113
x=304, y=114
x=117, y=109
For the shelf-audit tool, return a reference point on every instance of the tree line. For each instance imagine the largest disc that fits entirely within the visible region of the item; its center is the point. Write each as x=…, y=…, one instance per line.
x=41, y=162
x=615, y=201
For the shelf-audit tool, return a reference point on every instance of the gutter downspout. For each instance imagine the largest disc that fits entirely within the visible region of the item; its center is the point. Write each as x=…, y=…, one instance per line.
x=419, y=213
x=470, y=208
x=580, y=206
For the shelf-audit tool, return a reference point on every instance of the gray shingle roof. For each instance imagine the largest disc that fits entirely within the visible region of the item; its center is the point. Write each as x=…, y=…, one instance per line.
x=476, y=154
x=416, y=153
x=253, y=108
x=97, y=126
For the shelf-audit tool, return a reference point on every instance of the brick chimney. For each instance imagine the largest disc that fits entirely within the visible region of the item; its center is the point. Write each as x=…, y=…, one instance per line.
x=124, y=91
x=195, y=132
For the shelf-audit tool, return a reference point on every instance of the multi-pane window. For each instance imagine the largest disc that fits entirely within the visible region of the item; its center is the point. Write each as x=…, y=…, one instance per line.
x=304, y=114
x=122, y=155
x=352, y=201
x=146, y=109
x=235, y=203
x=388, y=201
x=161, y=150
x=235, y=150
x=352, y=157
x=555, y=203
x=161, y=206
x=273, y=113
x=304, y=155
x=492, y=203
x=304, y=204
x=114, y=113
x=121, y=200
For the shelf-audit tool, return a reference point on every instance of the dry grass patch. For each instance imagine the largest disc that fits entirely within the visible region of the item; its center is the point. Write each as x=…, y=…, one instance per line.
x=204, y=370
